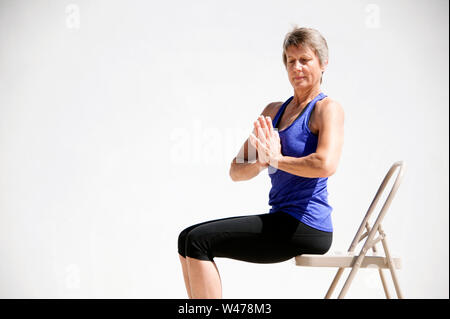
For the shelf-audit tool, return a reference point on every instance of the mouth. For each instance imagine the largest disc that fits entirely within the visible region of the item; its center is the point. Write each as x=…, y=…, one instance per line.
x=299, y=77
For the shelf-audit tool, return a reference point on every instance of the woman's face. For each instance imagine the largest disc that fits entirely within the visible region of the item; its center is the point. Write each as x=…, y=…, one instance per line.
x=303, y=67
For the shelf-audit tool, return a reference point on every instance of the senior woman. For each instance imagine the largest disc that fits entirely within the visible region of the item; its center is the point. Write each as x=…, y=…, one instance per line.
x=299, y=142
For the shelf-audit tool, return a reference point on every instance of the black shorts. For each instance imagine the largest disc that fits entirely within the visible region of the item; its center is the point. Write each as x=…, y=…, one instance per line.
x=263, y=238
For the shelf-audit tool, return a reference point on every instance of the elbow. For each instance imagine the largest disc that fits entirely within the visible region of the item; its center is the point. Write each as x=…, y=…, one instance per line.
x=327, y=172
x=236, y=174
x=327, y=167
x=235, y=178
x=232, y=174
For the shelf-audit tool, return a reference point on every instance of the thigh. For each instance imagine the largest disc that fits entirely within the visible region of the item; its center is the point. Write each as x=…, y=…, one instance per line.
x=185, y=231
x=183, y=234
x=254, y=238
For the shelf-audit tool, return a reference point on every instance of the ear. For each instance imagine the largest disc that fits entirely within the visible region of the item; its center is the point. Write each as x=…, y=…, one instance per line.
x=324, y=66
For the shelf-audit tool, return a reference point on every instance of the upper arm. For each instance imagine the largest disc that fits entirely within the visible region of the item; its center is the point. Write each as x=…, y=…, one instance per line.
x=330, y=122
x=247, y=152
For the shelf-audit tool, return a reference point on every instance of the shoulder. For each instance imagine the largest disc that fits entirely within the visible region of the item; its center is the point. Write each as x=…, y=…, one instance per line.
x=271, y=109
x=329, y=107
x=326, y=112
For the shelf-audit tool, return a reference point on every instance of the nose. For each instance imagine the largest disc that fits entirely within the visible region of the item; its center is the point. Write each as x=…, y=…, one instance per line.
x=298, y=65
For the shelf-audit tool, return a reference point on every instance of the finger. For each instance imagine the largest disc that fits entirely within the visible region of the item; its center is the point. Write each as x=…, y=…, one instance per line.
x=263, y=148
x=257, y=143
x=269, y=124
x=264, y=127
x=261, y=134
x=255, y=129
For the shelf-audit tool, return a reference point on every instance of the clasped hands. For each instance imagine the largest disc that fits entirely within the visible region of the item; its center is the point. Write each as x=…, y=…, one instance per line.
x=266, y=141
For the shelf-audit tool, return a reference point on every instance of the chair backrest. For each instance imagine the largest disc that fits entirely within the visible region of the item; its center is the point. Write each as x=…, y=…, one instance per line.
x=370, y=231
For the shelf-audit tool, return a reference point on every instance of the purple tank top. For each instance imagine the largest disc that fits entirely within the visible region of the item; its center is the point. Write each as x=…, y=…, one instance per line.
x=304, y=198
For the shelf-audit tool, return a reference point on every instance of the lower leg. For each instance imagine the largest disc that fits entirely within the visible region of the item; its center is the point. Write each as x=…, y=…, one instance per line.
x=204, y=279
x=185, y=275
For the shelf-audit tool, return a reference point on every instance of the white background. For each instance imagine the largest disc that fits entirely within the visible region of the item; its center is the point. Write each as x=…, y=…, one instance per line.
x=119, y=119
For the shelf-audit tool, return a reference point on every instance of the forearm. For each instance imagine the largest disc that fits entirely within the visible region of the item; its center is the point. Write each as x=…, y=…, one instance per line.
x=245, y=171
x=311, y=166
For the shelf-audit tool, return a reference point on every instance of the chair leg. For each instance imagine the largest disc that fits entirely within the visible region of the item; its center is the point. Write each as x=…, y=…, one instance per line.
x=383, y=281
x=396, y=284
x=392, y=269
x=334, y=283
x=380, y=271
x=348, y=281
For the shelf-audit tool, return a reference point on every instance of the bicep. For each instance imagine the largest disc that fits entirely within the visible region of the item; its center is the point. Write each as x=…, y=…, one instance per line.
x=331, y=135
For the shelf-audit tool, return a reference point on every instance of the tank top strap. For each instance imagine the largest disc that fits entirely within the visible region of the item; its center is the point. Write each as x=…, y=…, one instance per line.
x=280, y=112
x=311, y=106
x=308, y=111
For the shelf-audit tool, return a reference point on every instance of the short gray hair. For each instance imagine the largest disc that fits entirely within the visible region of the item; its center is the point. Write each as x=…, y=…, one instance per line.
x=306, y=37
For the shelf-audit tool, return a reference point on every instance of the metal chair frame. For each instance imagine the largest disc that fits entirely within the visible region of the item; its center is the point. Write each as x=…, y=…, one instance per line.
x=369, y=232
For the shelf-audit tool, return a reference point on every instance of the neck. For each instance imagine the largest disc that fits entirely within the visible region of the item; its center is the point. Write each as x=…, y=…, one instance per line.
x=301, y=98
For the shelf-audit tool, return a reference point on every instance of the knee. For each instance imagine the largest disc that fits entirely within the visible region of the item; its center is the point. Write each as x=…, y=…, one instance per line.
x=182, y=241
x=197, y=245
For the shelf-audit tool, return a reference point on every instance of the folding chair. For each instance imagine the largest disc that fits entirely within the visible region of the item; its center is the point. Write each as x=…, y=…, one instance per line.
x=362, y=260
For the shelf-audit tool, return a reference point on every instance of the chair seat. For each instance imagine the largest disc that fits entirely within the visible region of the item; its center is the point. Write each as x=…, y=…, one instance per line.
x=345, y=260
